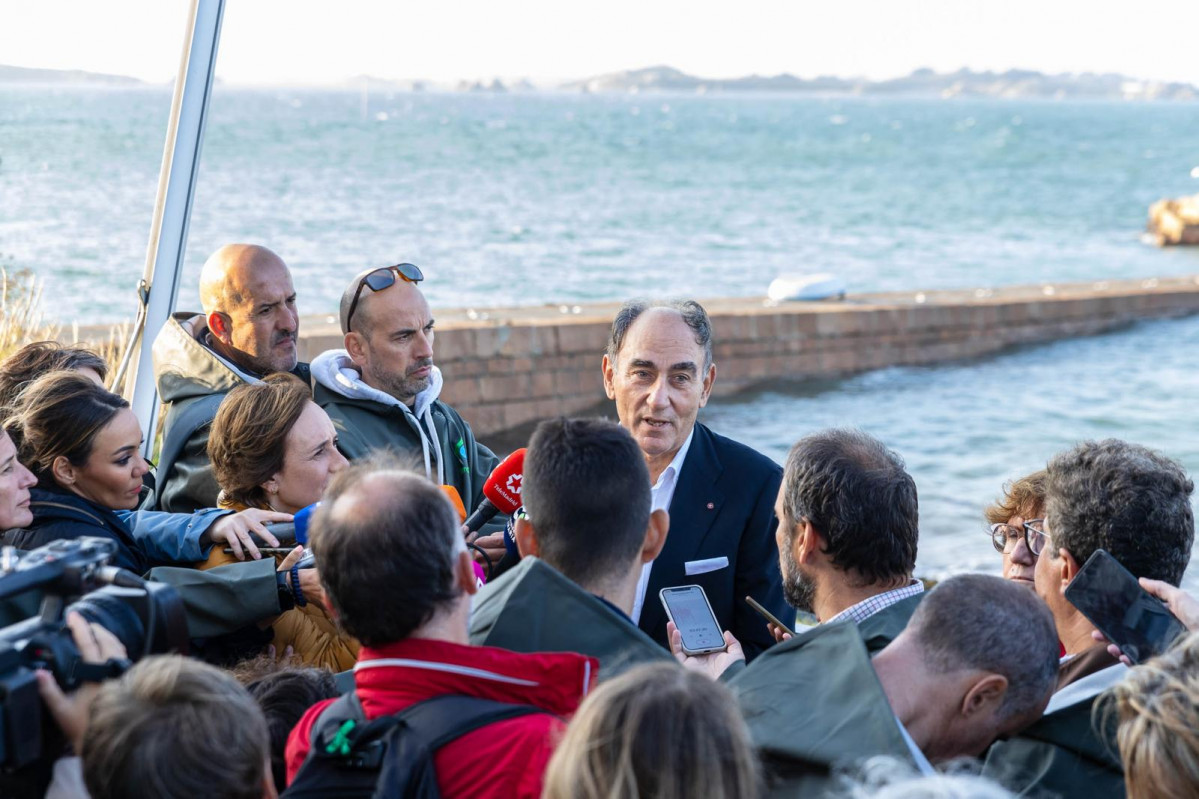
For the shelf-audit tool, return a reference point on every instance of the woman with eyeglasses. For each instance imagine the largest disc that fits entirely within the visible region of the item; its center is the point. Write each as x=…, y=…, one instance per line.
x=1015, y=526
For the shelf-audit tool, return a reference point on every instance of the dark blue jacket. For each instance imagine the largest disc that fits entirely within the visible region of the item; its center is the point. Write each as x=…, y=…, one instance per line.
x=723, y=506
x=144, y=538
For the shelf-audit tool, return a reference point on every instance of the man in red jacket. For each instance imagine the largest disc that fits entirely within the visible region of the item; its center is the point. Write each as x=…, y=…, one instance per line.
x=399, y=579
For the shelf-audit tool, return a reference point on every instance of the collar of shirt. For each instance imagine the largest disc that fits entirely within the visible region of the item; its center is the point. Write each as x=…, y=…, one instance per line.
x=871, y=605
x=922, y=763
x=661, y=495
x=663, y=490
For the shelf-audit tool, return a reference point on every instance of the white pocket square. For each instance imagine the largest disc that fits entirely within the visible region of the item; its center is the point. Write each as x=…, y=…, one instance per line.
x=694, y=567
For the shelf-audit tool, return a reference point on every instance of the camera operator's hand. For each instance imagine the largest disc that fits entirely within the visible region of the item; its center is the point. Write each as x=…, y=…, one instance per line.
x=711, y=665
x=235, y=530
x=310, y=579
x=95, y=645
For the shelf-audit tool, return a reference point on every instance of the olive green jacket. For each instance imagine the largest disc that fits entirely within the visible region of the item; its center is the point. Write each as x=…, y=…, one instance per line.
x=814, y=703
x=534, y=608
x=186, y=373
x=1069, y=752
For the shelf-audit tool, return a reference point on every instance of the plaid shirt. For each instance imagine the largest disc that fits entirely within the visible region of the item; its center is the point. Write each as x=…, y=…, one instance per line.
x=868, y=607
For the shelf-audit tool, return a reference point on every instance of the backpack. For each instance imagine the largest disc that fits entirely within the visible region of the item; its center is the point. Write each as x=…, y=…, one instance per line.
x=392, y=756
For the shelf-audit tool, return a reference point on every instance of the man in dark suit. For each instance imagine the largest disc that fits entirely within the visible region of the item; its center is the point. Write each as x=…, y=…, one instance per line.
x=719, y=493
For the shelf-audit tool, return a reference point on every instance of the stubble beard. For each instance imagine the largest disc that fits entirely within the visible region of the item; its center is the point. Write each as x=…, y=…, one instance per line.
x=799, y=592
x=401, y=387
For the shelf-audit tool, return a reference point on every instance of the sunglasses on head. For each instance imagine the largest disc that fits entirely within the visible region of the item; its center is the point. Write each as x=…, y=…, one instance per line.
x=380, y=279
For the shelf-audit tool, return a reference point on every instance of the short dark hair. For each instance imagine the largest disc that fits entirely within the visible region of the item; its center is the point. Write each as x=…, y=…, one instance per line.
x=174, y=727
x=39, y=358
x=1124, y=498
x=386, y=557
x=284, y=696
x=979, y=621
x=692, y=312
x=586, y=490
x=858, y=496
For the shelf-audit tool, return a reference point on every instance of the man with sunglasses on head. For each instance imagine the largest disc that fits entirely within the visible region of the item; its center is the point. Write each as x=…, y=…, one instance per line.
x=248, y=330
x=1135, y=504
x=382, y=390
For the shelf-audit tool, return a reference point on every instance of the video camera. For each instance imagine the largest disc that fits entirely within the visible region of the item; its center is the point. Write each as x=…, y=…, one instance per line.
x=72, y=575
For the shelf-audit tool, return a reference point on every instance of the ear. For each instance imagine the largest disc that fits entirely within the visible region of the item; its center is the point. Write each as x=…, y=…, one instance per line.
x=220, y=326
x=64, y=471
x=356, y=347
x=984, y=697
x=806, y=543
x=655, y=536
x=271, y=486
x=1067, y=568
x=609, y=370
x=464, y=574
x=526, y=538
x=709, y=379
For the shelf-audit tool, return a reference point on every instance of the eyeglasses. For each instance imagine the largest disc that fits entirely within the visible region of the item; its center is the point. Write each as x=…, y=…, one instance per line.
x=381, y=278
x=1004, y=537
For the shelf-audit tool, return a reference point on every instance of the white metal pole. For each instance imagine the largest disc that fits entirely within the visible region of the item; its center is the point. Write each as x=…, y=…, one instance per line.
x=172, y=210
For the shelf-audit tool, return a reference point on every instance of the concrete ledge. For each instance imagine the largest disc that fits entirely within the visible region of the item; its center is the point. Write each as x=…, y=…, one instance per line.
x=508, y=367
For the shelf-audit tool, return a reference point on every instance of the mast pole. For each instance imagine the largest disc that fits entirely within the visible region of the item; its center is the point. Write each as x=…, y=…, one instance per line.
x=165, y=252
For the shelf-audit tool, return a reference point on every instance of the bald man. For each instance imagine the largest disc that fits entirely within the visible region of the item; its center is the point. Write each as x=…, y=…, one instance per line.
x=382, y=390
x=247, y=331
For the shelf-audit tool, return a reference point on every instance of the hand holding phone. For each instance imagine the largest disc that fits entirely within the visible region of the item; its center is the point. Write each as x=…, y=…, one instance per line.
x=1128, y=616
x=688, y=607
x=770, y=617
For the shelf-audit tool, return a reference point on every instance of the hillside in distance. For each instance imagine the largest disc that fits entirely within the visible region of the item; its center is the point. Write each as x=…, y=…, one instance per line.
x=923, y=82
x=27, y=75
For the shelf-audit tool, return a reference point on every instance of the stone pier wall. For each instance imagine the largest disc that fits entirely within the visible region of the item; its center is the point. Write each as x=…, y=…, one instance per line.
x=506, y=368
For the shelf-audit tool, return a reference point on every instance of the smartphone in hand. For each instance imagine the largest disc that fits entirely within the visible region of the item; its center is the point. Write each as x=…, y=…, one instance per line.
x=1129, y=616
x=770, y=617
x=688, y=607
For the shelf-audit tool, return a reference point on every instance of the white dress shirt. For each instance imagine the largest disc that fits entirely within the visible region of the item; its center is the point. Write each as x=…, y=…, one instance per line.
x=662, y=493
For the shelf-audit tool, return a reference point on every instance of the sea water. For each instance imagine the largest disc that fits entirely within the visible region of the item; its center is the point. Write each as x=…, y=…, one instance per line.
x=532, y=198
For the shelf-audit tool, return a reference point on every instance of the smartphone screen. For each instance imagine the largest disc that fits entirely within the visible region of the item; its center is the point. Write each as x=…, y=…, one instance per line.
x=1130, y=617
x=688, y=608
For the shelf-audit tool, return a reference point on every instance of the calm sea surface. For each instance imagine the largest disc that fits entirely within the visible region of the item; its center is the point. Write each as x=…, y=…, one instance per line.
x=528, y=199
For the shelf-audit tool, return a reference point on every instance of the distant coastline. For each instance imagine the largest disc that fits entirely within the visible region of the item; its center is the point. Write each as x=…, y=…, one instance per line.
x=1012, y=84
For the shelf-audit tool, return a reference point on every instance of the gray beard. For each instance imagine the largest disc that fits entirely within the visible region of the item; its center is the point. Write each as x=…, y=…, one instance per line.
x=402, y=388
x=797, y=589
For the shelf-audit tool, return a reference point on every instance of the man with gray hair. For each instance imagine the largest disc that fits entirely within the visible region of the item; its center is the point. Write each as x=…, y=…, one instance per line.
x=977, y=661
x=1135, y=504
x=719, y=493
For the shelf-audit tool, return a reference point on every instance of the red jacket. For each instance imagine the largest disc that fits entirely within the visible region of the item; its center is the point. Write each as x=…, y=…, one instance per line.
x=505, y=759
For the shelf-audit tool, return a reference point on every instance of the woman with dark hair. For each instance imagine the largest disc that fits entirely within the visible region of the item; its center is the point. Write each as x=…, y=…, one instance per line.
x=273, y=448
x=83, y=445
x=38, y=358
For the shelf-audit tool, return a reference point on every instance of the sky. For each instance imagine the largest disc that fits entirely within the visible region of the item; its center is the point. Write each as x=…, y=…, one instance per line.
x=321, y=42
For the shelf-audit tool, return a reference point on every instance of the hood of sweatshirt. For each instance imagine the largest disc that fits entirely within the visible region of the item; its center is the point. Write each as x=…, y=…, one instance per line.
x=335, y=370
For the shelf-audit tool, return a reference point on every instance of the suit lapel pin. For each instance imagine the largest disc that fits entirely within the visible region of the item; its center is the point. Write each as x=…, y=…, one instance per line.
x=711, y=506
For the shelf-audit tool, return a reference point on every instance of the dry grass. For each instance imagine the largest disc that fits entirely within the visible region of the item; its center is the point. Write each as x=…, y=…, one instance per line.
x=22, y=321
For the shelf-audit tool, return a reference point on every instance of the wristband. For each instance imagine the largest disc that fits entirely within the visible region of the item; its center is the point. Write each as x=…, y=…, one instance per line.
x=287, y=599
x=295, y=587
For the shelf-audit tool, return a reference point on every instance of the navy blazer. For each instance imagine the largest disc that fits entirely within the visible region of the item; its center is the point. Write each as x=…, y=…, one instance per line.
x=723, y=506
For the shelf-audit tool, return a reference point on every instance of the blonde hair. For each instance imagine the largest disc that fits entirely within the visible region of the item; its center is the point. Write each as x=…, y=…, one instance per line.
x=1024, y=497
x=657, y=731
x=249, y=432
x=1157, y=708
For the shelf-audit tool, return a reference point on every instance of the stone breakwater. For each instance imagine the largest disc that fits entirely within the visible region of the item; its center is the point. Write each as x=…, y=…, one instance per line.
x=506, y=368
